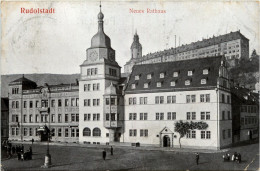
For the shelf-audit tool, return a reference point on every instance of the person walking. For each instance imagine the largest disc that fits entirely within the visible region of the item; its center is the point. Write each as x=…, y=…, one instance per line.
x=197, y=158
x=111, y=150
x=22, y=149
x=104, y=154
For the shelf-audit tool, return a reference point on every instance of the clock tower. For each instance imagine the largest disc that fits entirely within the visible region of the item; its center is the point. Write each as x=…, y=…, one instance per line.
x=98, y=72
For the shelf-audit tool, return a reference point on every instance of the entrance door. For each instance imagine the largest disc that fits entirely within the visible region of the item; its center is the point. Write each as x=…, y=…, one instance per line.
x=166, y=141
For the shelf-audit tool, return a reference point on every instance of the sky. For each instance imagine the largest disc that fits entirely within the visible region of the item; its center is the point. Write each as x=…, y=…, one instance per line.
x=56, y=43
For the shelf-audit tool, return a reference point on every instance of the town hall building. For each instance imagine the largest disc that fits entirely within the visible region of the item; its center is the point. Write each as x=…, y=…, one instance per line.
x=105, y=108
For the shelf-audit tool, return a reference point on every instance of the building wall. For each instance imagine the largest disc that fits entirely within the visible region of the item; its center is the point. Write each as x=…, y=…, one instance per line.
x=181, y=108
x=26, y=126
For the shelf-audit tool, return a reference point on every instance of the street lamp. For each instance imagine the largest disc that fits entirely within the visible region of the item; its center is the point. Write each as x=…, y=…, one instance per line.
x=45, y=109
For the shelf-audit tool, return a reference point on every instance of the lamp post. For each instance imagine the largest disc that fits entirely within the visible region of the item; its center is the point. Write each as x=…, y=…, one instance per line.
x=46, y=95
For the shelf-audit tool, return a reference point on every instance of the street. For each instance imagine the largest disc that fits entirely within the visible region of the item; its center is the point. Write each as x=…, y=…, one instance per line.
x=79, y=158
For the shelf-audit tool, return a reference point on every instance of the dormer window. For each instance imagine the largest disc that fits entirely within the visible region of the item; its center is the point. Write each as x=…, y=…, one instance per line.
x=159, y=84
x=187, y=82
x=146, y=85
x=203, y=81
x=190, y=73
x=173, y=83
x=175, y=74
x=162, y=75
x=205, y=71
x=137, y=77
x=133, y=86
x=149, y=76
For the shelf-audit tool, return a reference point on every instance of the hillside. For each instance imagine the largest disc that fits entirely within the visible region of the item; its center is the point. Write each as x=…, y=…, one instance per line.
x=40, y=79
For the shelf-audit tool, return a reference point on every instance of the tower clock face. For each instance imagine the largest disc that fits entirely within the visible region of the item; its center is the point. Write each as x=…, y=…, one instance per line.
x=93, y=56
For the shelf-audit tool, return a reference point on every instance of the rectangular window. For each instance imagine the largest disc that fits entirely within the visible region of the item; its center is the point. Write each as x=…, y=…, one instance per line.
x=31, y=104
x=175, y=74
x=229, y=115
x=66, y=132
x=207, y=115
x=86, y=102
x=66, y=102
x=188, y=135
x=66, y=118
x=193, y=134
x=52, y=103
x=205, y=71
x=52, y=118
x=202, y=98
x=94, y=87
x=98, y=116
x=228, y=99
x=73, y=102
x=25, y=104
x=130, y=116
x=149, y=76
x=141, y=116
x=188, y=116
x=36, y=118
x=161, y=99
x=203, y=135
x=25, y=131
x=193, y=98
x=161, y=116
x=134, y=100
x=159, y=84
x=73, y=117
x=59, y=132
x=30, y=118
x=161, y=75
x=157, y=99
x=223, y=98
x=95, y=117
x=202, y=116
x=145, y=100
x=134, y=116
x=72, y=132
x=141, y=99
x=130, y=100
x=59, y=118
x=157, y=116
x=203, y=81
x=113, y=101
x=59, y=103
x=107, y=117
x=133, y=86
x=145, y=116
x=24, y=118
x=189, y=73
x=188, y=99
x=207, y=97
x=173, y=83
x=193, y=115
x=223, y=115
x=208, y=135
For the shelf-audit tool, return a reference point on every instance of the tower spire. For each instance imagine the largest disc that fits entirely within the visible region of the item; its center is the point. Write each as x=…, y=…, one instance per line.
x=100, y=5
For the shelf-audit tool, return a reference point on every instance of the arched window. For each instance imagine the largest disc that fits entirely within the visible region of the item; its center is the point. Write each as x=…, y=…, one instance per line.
x=96, y=132
x=86, y=132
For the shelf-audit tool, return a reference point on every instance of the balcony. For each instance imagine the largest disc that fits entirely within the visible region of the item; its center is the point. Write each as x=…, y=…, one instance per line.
x=112, y=124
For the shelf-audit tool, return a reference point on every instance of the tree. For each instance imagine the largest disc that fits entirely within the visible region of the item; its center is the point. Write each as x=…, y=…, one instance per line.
x=183, y=127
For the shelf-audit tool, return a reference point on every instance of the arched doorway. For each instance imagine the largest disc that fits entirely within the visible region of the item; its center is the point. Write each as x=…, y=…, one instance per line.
x=166, y=141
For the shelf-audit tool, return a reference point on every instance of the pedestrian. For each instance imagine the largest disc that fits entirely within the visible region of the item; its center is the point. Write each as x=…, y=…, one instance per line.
x=104, y=154
x=22, y=149
x=197, y=158
x=111, y=150
x=13, y=150
x=239, y=158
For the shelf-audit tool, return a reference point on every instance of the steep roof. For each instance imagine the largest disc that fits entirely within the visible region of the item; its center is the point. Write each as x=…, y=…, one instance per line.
x=168, y=68
x=21, y=80
x=243, y=95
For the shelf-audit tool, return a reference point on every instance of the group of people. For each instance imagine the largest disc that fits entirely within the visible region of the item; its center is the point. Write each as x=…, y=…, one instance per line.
x=235, y=157
x=17, y=150
x=104, y=153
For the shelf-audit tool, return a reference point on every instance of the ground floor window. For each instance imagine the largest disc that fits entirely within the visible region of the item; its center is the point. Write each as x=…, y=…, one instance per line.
x=86, y=132
x=143, y=132
x=59, y=132
x=96, y=132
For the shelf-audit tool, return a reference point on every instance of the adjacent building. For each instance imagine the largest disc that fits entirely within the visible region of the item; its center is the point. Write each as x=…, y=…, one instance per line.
x=245, y=113
x=233, y=46
x=26, y=121
x=4, y=119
